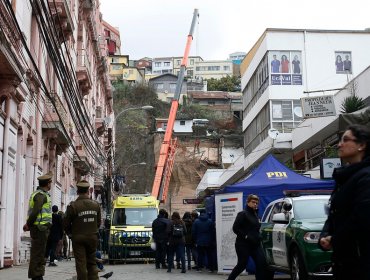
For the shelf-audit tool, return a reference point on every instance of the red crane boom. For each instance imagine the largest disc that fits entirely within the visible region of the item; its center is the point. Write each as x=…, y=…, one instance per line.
x=168, y=148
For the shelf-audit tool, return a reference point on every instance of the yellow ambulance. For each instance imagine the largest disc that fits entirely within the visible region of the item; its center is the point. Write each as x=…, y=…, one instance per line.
x=130, y=233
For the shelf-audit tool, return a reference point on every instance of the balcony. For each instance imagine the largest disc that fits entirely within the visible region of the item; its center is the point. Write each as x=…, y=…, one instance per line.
x=84, y=72
x=52, y=124
x=88, y=5
x=80, y=161
x=61, y=11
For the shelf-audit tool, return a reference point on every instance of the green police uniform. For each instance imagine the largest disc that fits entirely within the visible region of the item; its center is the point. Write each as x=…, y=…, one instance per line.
x=39, y=222
x=82, y=221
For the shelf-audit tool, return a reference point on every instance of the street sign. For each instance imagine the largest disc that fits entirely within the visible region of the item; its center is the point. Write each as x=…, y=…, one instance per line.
x=192, y=200
x=318, y=106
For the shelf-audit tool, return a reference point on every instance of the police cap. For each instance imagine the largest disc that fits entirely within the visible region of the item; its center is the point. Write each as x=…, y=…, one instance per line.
x=83, y=184
x=45, y=177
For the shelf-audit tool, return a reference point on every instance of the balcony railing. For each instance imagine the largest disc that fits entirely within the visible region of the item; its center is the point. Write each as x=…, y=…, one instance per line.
x=80, y=160
x=53, y=124
x=63, y=9
x=84, y=71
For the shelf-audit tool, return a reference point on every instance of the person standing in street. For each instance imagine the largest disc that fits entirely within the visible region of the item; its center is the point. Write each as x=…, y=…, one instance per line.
x=248, y=242
x=176, y=241
x=38, y=223
x=347, y=229
x=203, y=231
x=160, y=227
x=81, y=223
x=55, y=235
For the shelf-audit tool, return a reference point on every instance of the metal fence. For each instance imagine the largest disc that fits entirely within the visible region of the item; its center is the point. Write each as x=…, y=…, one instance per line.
x=126, y=246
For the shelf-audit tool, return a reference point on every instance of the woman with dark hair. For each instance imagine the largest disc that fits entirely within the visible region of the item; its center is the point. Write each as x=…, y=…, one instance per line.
x=176, y=241
x=339, y=63
x=347, y=229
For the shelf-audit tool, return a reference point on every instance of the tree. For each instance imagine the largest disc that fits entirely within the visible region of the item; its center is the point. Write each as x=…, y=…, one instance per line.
x=134, y=140
x=228, y=83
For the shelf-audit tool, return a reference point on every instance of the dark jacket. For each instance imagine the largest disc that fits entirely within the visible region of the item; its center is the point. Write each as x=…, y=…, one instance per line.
x=173, y=239
x=349, y=216
x=203, y=230
x=83, y=217
x=160, y=228
x=246, y=227
x=188, y=237
x=56, y=230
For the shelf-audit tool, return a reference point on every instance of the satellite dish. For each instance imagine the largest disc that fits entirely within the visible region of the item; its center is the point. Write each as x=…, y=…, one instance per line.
x=298, y=112
x=273, y=133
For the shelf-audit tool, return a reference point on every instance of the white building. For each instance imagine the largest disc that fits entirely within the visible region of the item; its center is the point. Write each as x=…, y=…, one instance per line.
x=283, y=65
x=162, y=65
x=213, y=69
x=237, y=57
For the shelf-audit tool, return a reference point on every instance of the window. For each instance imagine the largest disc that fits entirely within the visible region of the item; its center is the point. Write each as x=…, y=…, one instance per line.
x=166, y=63
x=178, y=62
x=226, y=68
x=158, y=86
x=265, y=214
x=115, y=59
x=182, y=122
x=211, y=103
x=191, y=61
x=172, y=86
x=276, y=210
x=285, y=115
x=157, y=64
x=131, y=72
x=116, y=67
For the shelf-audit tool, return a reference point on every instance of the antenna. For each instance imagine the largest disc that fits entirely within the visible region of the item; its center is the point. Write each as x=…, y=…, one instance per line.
x=273, y=133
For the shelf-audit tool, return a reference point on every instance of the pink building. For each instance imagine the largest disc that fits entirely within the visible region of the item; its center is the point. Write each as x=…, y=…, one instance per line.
x=55, y=97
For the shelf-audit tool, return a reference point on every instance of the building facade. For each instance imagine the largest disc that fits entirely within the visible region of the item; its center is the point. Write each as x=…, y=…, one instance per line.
x=55, y=96
x=213, y=69
x=285, y=65
x=165, y=87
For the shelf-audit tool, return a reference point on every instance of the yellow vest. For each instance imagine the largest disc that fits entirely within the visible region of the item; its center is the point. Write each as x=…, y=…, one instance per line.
x=45, y=215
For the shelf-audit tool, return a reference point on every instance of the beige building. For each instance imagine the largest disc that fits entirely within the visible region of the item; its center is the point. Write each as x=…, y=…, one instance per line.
x=55, y=95
x=190, y=67
x=215, y=69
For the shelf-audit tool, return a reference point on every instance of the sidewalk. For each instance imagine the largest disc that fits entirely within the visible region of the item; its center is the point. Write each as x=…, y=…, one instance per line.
x=64, y=271
x=139, y=271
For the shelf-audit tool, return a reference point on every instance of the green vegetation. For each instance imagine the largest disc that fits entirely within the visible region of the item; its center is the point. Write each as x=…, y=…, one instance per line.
x=229, y=83
x=352, y=104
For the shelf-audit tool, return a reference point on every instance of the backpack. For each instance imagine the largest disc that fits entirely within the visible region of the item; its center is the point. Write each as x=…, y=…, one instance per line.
x=178, y=230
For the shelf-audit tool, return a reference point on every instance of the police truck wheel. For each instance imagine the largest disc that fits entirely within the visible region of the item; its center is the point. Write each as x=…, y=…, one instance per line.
x=269, y=274
x=297, y=268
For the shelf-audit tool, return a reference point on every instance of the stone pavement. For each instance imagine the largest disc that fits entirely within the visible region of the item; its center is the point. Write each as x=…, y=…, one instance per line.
x=66, y=271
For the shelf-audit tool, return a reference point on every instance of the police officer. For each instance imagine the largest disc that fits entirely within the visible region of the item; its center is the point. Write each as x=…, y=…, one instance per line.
x=81, y=223
x=38, y=223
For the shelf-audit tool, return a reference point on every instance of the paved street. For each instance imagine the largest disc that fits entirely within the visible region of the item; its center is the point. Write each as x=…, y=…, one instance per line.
x=66, y=270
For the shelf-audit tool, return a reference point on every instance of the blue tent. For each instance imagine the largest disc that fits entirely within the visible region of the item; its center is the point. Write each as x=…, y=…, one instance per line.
x=271, y=178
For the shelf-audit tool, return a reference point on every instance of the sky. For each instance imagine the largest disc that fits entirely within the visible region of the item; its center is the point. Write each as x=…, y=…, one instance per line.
x=159, y=28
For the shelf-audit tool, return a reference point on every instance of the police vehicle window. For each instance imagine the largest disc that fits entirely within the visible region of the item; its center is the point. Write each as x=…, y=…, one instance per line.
x=265, y=214
x=310, y=209
x=275, y=210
